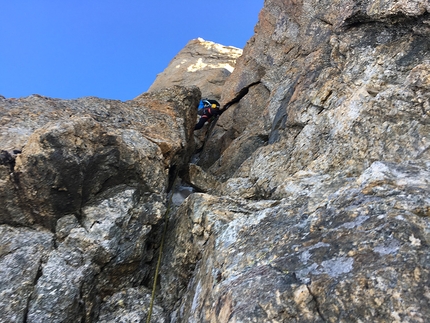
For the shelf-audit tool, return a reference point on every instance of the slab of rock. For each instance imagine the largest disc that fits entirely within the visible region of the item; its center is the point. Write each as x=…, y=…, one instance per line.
x=23, y=254
x=200, y=180
x=360, y=255
x=74, y=150
x=323, y=211
x=131, y=306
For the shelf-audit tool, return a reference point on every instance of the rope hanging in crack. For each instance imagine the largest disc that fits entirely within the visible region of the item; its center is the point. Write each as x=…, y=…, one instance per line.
x=157, y=269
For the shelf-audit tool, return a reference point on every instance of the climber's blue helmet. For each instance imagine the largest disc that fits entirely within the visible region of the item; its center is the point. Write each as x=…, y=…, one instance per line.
x=206, y=103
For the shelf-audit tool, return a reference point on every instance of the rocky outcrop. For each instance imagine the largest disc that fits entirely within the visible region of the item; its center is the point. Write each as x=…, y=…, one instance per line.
x=323, y=213
x=316, y=203
x=200, y=63
x=323, y=71
x=83, y=201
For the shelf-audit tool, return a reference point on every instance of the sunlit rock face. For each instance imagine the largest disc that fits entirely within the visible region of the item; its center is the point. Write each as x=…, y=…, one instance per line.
x=200, y=63
x=334, y=85
x=354, y=250
x=321, y=207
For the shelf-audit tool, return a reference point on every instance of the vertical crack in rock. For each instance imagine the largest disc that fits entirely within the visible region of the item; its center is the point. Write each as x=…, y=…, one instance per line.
x=82, y=305
x=317, y=304
x=36, y=279
x=351, y=80
x=244, y=91
x=8, y=159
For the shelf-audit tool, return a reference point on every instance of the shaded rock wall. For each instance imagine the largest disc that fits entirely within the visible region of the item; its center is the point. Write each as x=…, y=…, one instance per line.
x=82, y=200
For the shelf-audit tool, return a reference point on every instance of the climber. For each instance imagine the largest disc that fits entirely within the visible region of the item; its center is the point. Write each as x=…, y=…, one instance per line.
x=208, y=110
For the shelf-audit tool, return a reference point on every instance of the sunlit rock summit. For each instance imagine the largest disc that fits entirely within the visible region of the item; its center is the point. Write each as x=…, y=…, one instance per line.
x=202, y=63
x=311, y=194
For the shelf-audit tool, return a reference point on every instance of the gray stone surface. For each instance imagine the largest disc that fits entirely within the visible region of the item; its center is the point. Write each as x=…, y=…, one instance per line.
x=83, y=201
x=23, y=254
x=347, y=85
x=130, y=306
x=328, y=136
x=361, y=255
x=316, y=180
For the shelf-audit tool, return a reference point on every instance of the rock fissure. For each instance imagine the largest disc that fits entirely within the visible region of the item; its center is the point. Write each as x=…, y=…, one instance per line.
x=390, y=20
x=8, y=159
x=243, y=91
x=317, y=304
x=325, y=21
x=34, y=284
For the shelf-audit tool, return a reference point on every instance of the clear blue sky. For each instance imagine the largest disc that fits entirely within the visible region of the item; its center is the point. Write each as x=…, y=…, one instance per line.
x=107, y=48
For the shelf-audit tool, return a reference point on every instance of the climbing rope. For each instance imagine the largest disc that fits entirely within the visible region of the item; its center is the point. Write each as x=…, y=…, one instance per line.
x=157, y=269
x=166, y=219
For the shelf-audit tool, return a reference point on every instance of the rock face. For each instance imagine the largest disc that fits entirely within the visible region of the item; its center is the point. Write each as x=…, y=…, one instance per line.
x=314, y=72
x=316, y=180
x=82, y=203
x=323, y=211
x=357, y=252
x=200, y=63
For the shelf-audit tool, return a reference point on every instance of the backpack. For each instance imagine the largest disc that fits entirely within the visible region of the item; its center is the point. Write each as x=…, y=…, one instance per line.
x=207, y=103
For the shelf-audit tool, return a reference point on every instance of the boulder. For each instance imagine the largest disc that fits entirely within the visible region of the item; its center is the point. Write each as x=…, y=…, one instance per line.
x=74, y=150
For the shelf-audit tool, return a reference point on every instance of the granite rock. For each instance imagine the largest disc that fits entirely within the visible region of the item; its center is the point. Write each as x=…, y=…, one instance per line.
x=313, y=200
x=84, y=190
x=200, y=63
